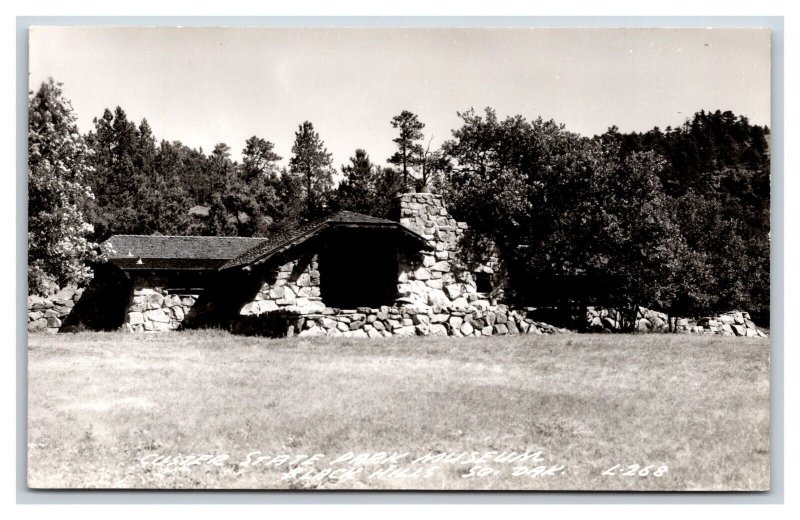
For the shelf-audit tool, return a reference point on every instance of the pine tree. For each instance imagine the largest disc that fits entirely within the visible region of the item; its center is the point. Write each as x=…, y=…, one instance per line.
x=119, y=175
x=357, y=190
x=409, y=150
x=312, y=163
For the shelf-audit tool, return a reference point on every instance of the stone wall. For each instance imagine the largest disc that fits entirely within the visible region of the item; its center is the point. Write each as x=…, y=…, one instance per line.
x=733, y=323
x=404, y=321
x=153, y=309
x=293, y=287
x=48, y=314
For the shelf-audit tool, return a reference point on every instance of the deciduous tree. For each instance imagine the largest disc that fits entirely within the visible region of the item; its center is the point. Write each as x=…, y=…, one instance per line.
x=59, y=243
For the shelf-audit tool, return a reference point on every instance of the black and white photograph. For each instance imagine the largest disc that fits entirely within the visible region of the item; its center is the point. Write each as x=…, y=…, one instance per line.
x=399, y=258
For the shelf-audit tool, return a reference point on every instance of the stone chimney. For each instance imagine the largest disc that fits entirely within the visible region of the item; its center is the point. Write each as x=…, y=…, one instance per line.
x=435, y=278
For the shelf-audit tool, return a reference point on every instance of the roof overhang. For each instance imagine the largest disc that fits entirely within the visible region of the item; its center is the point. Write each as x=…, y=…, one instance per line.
x=405, y=239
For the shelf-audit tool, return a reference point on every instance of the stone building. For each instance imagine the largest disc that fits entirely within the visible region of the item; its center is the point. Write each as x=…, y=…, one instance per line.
x=347, y=274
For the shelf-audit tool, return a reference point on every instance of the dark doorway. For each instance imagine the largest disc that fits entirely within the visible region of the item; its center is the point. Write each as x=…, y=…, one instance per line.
x=358, y=268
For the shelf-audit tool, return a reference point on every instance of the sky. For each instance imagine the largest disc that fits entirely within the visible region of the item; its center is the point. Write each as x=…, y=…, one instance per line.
x=202, y=86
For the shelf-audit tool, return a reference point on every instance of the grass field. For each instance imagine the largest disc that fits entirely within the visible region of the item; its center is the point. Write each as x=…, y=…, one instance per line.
x=108, y=409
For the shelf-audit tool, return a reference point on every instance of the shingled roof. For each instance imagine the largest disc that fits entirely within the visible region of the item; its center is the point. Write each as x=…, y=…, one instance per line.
x=211, y=253
x=176, y=252
x=343, y=219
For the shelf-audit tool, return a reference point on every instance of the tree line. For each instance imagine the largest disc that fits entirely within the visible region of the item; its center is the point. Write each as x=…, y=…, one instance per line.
x=675, y=219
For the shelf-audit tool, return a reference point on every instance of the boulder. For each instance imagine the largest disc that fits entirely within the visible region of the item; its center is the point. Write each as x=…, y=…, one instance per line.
x=437, y=330
x=610, y=323
x=355, y=325
x=37, y=325
x=739, y=330
x=405, y=331
x=512, y=328
x=313, y=332
x=135, y=317
x=264, y=306
x=440, y=318
x=327, y=323
x=157, y=315
x=421, y=319
x=434, y=284
x=453, y=291
x=466, y=328
x=438, y=297
x=500, y=328
x=304, y=280
x=53, y=323
x=643, y=325
x=441, y=266
x=422, y=274
x=160, y=326
x=487, y=330
x=460, y=303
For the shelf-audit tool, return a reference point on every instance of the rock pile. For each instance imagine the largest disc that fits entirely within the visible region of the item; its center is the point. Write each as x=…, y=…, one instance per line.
x=733, y=323
x=156, y=310
x=48, y=314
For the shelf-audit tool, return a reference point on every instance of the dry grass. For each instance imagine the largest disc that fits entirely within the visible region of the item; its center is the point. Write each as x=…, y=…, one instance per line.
x=100, y=402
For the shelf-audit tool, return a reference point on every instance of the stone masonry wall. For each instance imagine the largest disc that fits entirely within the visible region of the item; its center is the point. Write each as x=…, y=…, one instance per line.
x=48, y=314
x=292, y=287
x=733, y=323
x=438, y=278
x=153, y=309
x=406, y=321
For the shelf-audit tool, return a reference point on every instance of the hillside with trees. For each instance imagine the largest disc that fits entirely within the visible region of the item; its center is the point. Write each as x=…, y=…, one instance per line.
x=674, y=219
